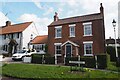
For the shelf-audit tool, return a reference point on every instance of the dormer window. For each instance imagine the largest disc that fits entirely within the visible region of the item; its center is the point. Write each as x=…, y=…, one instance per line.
x=87, y=29
x=72, y=30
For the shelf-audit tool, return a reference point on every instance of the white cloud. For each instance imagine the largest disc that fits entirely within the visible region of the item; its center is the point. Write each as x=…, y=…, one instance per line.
x=72, y=2
x=38, y=5
x=46, y=8
x=3, y=19
x=48, y=11
x=41, y=23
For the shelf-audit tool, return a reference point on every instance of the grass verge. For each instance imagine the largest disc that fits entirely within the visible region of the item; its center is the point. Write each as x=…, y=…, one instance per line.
x=37, y=71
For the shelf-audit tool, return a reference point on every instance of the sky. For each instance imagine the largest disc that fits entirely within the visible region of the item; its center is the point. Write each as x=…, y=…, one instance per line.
x=41, y=12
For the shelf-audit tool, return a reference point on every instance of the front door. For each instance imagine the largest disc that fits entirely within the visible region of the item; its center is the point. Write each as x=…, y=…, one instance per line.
x=68, y=50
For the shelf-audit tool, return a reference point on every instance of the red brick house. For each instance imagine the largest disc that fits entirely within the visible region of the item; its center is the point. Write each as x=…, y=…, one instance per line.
x=80, y=35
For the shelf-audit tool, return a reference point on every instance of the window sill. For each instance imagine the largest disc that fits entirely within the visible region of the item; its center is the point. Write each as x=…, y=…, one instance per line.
x=58, y=37
x=87, y=35
x=58, y=54
x=71, y=36
x=88, y=54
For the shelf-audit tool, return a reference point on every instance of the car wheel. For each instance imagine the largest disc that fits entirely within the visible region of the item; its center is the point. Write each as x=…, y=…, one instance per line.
x=13, y=59
x=22, y=58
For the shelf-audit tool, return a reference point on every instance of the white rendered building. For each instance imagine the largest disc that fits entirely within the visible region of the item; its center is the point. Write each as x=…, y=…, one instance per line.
x=16, y=37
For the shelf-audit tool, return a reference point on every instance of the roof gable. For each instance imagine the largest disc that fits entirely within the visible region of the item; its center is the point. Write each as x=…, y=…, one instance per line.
x=14, y=28
x=70, y=43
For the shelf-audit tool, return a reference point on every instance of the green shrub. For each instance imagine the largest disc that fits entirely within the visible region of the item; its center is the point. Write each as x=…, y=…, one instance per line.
x=102, y=61
x=111, y=51
x=39, y=59
x=49, y=60
x=36, y=58
x=89, y=61
x=67, y=59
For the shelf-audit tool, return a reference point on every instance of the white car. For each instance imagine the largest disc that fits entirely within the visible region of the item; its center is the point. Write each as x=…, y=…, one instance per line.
x=21, y=54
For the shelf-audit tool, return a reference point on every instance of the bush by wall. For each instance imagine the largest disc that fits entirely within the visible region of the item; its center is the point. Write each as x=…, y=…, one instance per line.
x=67, y=59
x=39, y=59
x=111, y=51
x=49, y=60
x=89, y=61
x=102, y=61
x=36, y=58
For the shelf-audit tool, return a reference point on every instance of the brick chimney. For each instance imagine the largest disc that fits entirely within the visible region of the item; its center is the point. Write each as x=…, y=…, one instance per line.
x=8, y=23
x=56, y=16
x=101, y=9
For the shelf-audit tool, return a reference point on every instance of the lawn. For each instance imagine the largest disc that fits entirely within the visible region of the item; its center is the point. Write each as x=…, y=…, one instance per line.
x=51, y=71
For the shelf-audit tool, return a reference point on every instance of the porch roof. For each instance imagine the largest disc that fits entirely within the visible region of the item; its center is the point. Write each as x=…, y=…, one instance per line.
x=70, y=43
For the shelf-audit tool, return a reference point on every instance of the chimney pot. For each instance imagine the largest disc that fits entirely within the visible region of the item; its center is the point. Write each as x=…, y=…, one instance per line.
x=101, y=9
x=8, y=23
x=56, y=16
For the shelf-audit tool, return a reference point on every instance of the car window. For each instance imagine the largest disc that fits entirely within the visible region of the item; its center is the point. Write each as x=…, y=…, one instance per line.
x=22, y=51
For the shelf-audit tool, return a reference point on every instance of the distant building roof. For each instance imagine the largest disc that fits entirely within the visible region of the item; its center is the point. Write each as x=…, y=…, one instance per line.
x=40, y=40
x=14, y=28
x=112, y=41
x=77, y=19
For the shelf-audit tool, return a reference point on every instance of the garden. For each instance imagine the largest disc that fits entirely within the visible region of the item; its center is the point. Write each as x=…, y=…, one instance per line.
x=44, y=68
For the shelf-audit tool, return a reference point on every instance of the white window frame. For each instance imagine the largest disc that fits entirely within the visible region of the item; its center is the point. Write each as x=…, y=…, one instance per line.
x=58, y=44
x=58, y=27
x=39, y=46
x=89, y=25
x=88, y=42
x=72, y=26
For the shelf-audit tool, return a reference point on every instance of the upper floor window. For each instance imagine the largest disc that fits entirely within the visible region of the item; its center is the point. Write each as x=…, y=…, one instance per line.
x=88, y=48
x=72, y=30
x=87, y=29
x=58, y=32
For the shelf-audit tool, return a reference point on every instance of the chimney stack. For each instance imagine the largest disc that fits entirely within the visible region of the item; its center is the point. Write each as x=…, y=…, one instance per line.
x=8, y=23
x=101, y=9
x=56, y=16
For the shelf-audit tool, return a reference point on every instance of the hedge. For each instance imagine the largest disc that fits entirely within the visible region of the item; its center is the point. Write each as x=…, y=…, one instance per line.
x=102, y=61
x=90, y=61
x=39, y=59
x=67, y=59
x=49, y=60
x=111, y=51
x=36, y=58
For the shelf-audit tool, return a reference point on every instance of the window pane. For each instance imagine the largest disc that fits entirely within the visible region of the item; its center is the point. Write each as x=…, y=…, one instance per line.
x=72, y=31
x=88, y=29
x=58, y=49
x=58, y=32
x=88, y=48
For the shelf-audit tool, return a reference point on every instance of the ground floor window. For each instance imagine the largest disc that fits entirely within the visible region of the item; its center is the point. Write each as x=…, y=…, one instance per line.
x=39, y=47
x=88, y=49
x=58, y=49
x=5, y=47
